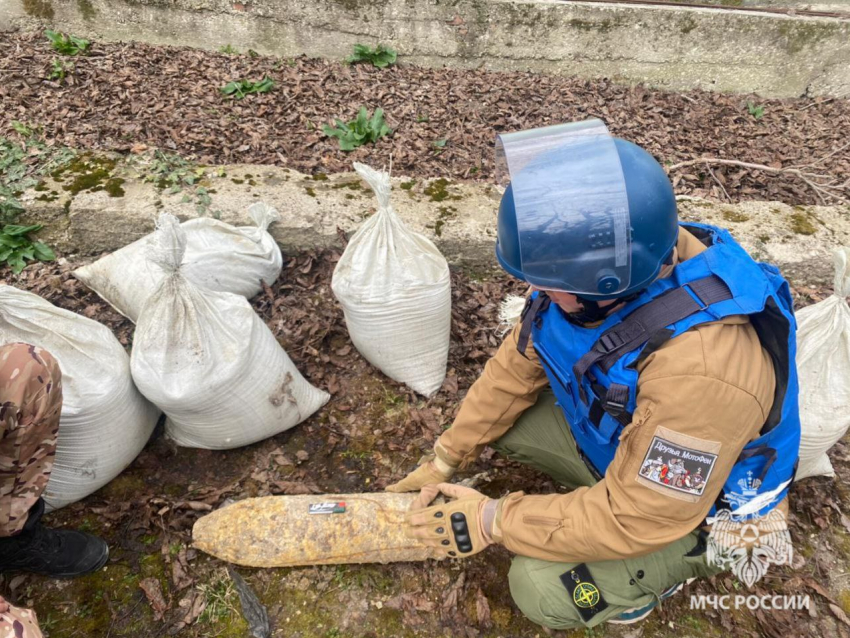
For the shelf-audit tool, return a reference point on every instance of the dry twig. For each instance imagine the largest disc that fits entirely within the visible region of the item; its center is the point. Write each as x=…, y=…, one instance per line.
x=824, y=186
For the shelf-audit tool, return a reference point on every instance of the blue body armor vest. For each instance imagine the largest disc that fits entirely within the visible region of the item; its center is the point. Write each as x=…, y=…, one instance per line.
x=593, y=373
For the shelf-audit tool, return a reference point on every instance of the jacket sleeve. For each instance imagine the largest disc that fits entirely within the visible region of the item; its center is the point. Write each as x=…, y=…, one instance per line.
x=686, y=406
x=509, y=385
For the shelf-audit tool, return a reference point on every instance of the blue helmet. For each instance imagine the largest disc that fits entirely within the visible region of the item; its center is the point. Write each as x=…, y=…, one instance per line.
x=573, y=245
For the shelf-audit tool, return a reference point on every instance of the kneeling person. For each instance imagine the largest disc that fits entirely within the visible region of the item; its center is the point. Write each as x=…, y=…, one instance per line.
x=652, y=374
x=30, y=405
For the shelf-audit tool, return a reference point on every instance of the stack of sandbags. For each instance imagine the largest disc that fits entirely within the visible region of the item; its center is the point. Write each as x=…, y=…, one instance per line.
x=218, y=256
x=105, y=422
x=209, y=362
x=395, y=291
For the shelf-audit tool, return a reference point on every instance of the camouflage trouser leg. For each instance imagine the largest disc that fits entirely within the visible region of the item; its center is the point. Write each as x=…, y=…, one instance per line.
x=30, y=403
x=17, y=623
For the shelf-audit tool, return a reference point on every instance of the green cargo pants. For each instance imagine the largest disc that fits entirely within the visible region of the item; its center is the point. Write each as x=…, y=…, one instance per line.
x=541, y=438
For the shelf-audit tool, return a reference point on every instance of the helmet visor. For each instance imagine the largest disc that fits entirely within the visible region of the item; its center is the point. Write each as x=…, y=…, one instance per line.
x=571, y=207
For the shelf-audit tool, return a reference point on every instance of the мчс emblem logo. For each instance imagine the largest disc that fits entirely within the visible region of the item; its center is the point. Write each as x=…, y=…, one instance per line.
x=748, y=544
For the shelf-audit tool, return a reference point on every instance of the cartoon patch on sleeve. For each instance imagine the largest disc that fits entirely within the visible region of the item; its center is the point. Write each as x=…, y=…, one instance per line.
x=675, y=466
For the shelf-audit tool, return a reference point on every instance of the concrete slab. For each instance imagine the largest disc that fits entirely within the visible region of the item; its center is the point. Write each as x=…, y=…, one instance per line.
x=459, y=217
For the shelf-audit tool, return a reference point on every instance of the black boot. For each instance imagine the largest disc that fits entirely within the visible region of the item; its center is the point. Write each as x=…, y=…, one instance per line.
x=53, y=552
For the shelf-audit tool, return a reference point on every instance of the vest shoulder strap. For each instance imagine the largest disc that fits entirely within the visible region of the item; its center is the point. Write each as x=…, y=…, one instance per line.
x=644, y=322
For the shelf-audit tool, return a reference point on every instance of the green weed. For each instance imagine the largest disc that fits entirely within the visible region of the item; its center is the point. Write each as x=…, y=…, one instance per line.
x=17, y=248
x=172, y=173
x=21, y=166
x=362, y=130
x=220, y=596
x=58, y=70
x=229, y=50
x=381, y=56
x=755, y=110
x=67, y=44
x=240, y=88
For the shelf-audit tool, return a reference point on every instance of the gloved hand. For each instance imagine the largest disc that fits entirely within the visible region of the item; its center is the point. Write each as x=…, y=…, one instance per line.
x=461, y=527
x=431, y=470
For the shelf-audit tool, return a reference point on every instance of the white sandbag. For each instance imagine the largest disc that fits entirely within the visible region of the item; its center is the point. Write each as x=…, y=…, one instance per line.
x=209, y=362
x=823, y=363
x=395, y=290
x=105, y=422
x=218, y=256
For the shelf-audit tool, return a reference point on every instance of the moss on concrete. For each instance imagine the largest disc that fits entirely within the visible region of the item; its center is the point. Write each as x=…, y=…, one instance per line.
x=798, y=35
x=311, y=192
x=437, y=190
x=355, y=186
x=445, y=213
x=87, y=9
x=801, y=225
x=90, y=173
x=39, y=9
x=603, y=26
x=731, y=215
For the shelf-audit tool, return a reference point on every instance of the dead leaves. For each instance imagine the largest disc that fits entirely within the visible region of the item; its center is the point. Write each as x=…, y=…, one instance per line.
x=153, y=592
x=482, y=609
x=105, y=104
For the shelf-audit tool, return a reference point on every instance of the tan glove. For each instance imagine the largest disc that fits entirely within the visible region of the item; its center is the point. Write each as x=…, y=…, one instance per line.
x=457, y=527
x=431, y=470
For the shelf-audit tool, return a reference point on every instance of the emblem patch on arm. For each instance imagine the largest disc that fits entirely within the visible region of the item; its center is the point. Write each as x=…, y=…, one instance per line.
x=677, y=464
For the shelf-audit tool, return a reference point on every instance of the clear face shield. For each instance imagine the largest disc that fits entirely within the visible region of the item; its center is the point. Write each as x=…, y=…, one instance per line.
x=571, y=207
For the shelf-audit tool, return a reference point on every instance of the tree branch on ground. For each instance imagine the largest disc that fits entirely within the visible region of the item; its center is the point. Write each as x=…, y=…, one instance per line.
x=824, y=186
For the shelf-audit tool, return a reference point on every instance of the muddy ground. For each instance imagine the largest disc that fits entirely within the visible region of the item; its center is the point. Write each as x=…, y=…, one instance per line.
x=370, y=433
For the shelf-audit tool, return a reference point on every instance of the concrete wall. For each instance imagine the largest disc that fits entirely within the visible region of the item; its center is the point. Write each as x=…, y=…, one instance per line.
x=463, y=224
x=666, y=46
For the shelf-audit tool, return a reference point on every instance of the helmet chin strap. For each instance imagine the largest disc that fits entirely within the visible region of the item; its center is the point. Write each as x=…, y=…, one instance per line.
x=591, y=312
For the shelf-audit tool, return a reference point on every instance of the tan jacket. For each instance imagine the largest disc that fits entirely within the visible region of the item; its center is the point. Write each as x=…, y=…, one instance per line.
x=709, y=389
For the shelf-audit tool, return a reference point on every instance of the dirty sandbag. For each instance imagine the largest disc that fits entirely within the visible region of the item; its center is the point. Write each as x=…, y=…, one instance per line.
x=394, y=288
x=105, y=421
x=823, y=366
x=326, y=529
x=209, y=362
x=218, y=256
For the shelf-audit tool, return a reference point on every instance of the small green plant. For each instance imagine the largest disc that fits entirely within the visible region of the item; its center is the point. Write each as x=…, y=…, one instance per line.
x=67, y=44
x=361, y=130
x=240, y=88
x=58, y=70
x=755, y=110
x=22, y=164
x=22, y=129
x=172, y=172
x=380, y=56
x=229, y=50
x=16, y=247
x=440, y=143
x=220, y=596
